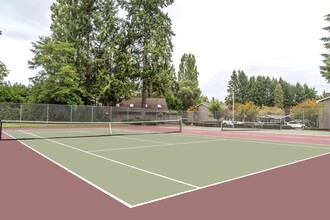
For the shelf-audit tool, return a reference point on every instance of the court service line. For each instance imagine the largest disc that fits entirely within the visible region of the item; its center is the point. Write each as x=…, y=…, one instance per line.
x=117, y=162
x=135, y=139
x=290, y=136
x=153, y=146
x=302, y=145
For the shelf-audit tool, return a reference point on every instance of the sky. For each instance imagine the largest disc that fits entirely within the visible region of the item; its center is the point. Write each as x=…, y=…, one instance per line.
x=271, y=38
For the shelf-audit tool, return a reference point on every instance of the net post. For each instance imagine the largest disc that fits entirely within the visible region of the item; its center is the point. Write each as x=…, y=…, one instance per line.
x=110, y=128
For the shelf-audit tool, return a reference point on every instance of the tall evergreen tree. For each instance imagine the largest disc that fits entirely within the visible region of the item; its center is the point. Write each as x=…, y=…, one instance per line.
x=188, y=90
x=238, y=88
x=288, y=93
x=243, y=87
x=299, y=93
x=232, y=88
x=3, y=72
x=309, y=93
x=261, y=90
x=324, y=95
x=325, y=69
x=188, y=68
x=88, y=25
x=278, y=96
x=3, y=69
x=111, y=52
x=149, y=39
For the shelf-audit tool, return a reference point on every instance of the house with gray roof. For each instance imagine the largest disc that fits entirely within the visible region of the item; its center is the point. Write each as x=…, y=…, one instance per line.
x=152, y=104
x=132, y=109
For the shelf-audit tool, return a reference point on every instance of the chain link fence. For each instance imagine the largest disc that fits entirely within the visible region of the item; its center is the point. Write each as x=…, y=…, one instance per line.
x=309, y=118
x=75, y=113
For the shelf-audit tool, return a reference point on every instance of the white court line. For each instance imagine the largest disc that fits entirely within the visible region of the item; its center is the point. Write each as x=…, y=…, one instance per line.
x=178, y=194
x=159, y=144
x=153, y=146
x=117, y=162
x=75, y=174
x=135, y=139
x=290, y=136
x=302, y=145
x=230, y=180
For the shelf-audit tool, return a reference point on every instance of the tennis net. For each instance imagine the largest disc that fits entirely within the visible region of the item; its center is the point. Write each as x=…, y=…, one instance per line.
x=26, y=130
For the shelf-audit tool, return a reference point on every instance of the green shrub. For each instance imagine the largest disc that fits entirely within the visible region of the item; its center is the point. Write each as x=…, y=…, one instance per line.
x=276, y=126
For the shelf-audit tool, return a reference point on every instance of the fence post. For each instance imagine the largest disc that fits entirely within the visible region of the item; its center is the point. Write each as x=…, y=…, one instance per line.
x=47, y=113
x=70, y=113
x=0, y=129
x=110, y=118
x=92, y=113
x=20, y=112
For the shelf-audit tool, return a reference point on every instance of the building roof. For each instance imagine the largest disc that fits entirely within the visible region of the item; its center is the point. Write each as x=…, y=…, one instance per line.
x=151, y=103
x=276, y=117
x=322, y=100
x=203, y=103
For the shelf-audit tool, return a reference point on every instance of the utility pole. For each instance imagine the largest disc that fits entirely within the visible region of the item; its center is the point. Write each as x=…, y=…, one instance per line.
x=233, y=108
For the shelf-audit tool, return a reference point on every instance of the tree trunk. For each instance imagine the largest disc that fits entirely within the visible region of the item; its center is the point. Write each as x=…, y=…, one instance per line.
x=144, y=99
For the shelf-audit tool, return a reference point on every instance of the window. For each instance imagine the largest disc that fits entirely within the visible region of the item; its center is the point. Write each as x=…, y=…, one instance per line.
x=131, y=105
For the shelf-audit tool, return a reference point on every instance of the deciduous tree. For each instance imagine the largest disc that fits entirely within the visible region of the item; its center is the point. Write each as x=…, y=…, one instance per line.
x=216, y=108
x=246, y=112
x=307, y=111
x=58, y=81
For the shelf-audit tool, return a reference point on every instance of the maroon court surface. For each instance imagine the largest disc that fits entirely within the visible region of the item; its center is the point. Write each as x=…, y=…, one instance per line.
x=32, y=187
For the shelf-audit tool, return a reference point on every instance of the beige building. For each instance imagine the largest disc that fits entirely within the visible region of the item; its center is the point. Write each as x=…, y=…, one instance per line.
x=201, y=114
x=324, y=118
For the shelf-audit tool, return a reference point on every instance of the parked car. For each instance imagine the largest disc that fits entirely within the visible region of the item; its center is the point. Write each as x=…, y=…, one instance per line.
x=227, y=123
x=296, y=124
x=258, y=123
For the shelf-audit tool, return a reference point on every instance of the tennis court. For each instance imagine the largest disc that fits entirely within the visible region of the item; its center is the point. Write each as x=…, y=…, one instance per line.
x=153, y=163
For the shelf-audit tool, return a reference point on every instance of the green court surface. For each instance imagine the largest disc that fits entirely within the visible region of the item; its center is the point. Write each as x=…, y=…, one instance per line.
x=142, y=168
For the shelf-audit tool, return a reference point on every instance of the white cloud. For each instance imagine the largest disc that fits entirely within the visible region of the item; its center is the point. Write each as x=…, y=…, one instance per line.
x=275, y=38
x=21, y=22
x=278, y=39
